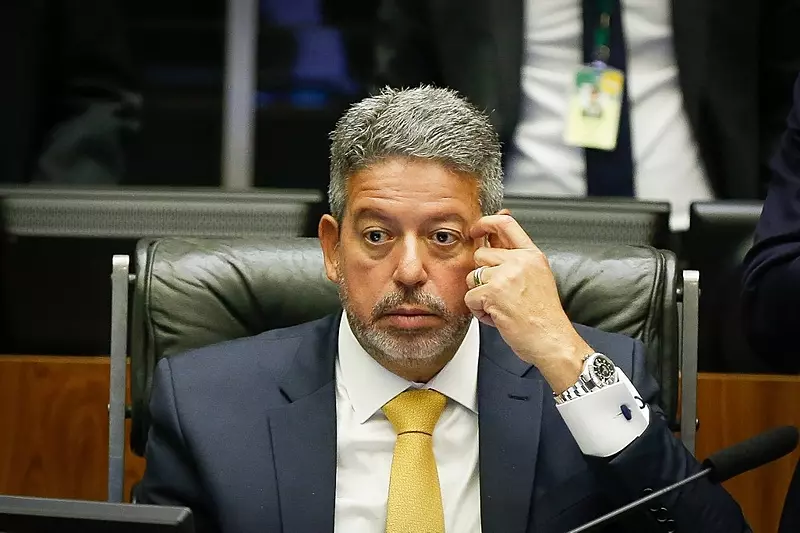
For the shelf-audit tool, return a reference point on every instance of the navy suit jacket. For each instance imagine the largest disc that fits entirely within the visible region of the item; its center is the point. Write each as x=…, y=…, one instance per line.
x=771, y=299
x=244, y=433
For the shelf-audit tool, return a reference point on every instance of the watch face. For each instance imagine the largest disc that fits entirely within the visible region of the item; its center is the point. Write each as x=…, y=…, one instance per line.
x=603, y=371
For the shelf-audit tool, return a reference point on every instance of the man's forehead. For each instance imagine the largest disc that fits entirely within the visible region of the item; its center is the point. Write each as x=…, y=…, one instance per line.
x=438, y=211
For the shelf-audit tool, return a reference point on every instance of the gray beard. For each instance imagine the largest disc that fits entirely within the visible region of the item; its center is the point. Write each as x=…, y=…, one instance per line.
x=410, y=349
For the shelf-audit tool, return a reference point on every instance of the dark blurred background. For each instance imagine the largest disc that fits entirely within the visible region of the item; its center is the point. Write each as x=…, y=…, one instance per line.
x=314, y=58
x=148, y=79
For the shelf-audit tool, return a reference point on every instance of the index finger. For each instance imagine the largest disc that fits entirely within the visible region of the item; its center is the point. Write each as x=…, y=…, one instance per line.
x=509, y=232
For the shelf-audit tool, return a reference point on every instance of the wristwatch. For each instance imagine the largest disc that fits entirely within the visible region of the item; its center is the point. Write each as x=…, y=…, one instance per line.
x=598, y=371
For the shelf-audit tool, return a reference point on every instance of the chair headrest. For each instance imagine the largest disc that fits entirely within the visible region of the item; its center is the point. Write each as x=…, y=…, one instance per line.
x=203, y=291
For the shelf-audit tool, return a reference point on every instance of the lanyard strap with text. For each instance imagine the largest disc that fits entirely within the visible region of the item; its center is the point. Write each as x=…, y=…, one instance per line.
x=602, y=46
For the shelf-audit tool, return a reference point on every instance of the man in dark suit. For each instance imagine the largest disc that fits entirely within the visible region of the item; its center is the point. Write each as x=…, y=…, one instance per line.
x=772, y=266
x=707, y=85
x=771, y=293
x=453, y=393
x=68, y=98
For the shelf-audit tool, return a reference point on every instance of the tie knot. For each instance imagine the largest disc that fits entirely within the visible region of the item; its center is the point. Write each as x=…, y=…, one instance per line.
x=415, y=410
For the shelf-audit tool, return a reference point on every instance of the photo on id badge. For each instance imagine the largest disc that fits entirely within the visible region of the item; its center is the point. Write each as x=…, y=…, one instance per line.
x=594, y=108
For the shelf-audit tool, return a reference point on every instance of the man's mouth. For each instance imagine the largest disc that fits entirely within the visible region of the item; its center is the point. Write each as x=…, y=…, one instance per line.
x=411, y=318
x=410, y=311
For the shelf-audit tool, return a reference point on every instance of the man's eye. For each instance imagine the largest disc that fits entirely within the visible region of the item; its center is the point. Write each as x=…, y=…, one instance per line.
x=444, y=237
x=376, y=236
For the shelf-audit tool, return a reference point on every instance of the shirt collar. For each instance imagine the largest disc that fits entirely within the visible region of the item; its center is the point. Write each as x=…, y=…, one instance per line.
x=369, y=385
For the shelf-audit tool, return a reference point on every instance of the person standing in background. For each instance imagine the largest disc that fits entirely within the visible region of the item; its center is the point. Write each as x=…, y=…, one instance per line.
x=68, y=100
x=771, y=293
x=704, y=88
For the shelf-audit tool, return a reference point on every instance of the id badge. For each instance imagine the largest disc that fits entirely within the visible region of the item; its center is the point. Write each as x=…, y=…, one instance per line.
x=595, y=102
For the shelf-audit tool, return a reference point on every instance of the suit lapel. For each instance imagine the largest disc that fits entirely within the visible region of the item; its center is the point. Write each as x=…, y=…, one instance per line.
x=303, y=434
x=507, y=25
x=690, y=36
x=509, y=414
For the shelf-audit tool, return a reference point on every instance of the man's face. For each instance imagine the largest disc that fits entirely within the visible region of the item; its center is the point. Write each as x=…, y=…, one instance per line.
x=401, y=257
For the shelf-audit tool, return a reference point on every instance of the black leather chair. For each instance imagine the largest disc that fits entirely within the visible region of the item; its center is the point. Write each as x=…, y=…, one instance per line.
x=79, y=227
x=137, y=212
x=593, y=220
x=189, y=293
x=720, y=234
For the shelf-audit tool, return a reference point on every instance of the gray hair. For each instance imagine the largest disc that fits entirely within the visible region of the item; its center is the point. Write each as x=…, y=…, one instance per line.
x=424, y=122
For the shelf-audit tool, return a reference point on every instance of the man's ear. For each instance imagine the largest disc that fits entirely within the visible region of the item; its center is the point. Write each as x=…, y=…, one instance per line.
x=328, y=232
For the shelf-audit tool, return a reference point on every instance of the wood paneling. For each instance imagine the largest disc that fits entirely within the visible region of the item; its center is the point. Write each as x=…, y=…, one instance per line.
x=54, y=430
x=732, y=408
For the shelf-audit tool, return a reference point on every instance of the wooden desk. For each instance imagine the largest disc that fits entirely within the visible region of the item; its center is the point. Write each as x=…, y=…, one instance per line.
x=732, y=408
x=54, y=430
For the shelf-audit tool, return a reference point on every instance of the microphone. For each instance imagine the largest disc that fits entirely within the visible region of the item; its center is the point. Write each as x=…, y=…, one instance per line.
x=722, y=466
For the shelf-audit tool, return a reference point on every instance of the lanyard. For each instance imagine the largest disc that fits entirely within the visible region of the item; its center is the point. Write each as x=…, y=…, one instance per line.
x=602, y=47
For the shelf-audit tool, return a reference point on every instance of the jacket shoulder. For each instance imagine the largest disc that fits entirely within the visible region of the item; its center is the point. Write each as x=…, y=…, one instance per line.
x=266, y=355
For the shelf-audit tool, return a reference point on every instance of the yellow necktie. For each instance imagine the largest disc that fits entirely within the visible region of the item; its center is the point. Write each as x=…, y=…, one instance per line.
x=415, y=500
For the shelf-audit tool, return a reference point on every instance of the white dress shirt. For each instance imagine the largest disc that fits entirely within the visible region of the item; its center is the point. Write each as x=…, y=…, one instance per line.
x=667, y=166
x=365, y=438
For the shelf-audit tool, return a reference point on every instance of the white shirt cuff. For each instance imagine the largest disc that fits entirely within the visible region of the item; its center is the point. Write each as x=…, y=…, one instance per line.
x=599, y=422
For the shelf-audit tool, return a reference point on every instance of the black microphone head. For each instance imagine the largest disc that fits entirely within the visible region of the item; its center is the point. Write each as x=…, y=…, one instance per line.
x=752, y=453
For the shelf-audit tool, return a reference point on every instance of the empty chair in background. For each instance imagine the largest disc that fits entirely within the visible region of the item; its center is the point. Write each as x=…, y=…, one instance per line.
x=719, y=236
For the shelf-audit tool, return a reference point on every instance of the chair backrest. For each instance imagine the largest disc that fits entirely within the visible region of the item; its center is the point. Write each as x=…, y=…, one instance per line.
x=84, y=226
x=195, y=292
x=593, y=220
x=136, y=212
x=720, y=234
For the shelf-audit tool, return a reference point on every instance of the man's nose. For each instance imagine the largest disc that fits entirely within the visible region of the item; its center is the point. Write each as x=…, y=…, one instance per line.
x=410, y=269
